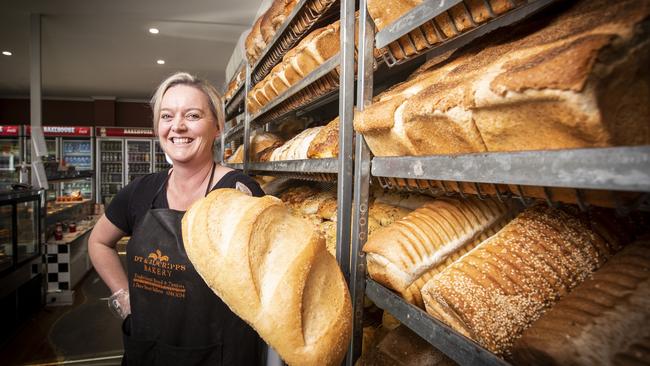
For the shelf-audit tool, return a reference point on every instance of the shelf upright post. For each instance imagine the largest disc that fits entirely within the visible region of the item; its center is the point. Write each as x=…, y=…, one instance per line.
x=247, y=118
x=361, y=183
x=38, y=147
x=222, y=137
x=346, y=110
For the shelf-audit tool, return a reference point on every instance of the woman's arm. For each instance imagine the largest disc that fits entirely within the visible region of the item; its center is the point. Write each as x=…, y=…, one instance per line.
x=101, y=247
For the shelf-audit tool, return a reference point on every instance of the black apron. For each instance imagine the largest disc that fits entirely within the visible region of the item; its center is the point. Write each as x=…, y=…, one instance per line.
x=176, y=319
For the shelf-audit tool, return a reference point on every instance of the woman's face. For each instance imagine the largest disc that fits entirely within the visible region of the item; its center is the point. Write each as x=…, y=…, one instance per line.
x=186, y=127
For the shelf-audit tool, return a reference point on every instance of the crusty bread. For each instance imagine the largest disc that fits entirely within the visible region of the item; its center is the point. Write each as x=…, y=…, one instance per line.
x=406, y=254
x=326, y=143
x=273, y=271
x=238, y=156
x=602, y=319
x=493, y=293
x=485, y=97
x=296, y=148
x=254, y=42
x=275, y=17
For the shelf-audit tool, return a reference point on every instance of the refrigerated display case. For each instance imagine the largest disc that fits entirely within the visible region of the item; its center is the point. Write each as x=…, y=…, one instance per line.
x=138, y=157
x=73, y=145
x=122, y=155
x=10, y=154
x=160, y=163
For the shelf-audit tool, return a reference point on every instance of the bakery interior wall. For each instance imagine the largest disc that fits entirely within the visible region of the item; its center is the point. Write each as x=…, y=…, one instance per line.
x=97, y=112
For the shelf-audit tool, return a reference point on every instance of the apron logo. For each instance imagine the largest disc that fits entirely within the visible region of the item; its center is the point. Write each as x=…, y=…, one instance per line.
x=157, y=256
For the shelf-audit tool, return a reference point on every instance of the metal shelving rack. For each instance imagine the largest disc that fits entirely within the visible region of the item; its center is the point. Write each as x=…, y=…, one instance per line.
x=327, y=170
x=618, y=169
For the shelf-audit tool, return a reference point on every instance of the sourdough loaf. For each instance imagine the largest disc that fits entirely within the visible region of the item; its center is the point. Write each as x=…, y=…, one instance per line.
x=406, y=254
x=275, y=17
x=296, y=148
x=493, y=293
x=326, y=142
x=605, y=317
x=273, y=271
x=238, y=156
x=578, y=75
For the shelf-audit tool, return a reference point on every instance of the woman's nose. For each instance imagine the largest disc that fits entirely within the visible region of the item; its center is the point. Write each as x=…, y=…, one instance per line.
x=178, y=123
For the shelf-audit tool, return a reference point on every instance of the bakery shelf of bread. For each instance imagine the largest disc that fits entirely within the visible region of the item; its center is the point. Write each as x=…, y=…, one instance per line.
x=411, y=28
x=300, y=89
x=280, y=29
x=430, y=329
x=235, y=105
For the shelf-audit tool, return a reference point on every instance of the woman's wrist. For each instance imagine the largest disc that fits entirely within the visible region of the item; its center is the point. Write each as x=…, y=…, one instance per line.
x=119, y=303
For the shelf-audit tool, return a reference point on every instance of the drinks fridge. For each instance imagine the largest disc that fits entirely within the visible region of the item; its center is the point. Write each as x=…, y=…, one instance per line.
x=160, y=163
x=74, y=146
x=10, y=154
x=123, y=154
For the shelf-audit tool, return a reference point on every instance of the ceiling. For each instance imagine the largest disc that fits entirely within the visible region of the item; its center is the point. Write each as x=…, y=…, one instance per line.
x=99, y=48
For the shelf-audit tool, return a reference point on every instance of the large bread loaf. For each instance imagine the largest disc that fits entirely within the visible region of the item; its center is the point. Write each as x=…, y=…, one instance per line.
x=275, y=17
x=604, y=318
x=272, y=270
x=497, y=290
x=563, y=81
x=254, y=42
x=408, y=253
x=297, y=147
x=326, y=142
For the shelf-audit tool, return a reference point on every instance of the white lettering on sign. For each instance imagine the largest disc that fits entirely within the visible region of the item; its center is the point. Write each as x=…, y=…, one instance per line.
x=53, y=129
x=137, y=132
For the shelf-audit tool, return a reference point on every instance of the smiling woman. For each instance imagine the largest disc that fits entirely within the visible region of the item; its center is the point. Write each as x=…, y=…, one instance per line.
x=162, y=284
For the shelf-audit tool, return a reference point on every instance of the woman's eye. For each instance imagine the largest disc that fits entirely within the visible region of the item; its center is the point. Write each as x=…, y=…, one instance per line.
x=193, y=116
x=166, y=116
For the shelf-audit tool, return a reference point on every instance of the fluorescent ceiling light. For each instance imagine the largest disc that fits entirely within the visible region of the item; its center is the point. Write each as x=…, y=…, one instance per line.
x=154, y=30
x=6, y=53
x=160, y=62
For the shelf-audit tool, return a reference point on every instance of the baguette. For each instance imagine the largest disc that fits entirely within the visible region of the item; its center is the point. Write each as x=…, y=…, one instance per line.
x=273, y=271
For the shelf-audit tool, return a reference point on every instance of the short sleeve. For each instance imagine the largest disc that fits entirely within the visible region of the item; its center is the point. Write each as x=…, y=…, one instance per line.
x=119, y=211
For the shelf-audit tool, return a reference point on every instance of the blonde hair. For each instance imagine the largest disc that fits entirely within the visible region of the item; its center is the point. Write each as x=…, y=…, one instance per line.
x=184, y=78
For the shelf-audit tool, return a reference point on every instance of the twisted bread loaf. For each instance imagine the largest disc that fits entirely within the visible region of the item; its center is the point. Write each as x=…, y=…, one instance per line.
x=504, y=284
x=606, y=315
x=273, y=271
x=408, y=253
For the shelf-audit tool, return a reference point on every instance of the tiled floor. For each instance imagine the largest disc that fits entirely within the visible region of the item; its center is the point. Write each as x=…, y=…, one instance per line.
x=85, y=332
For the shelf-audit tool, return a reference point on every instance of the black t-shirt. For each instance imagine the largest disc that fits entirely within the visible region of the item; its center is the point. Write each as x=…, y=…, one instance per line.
x=131, y=203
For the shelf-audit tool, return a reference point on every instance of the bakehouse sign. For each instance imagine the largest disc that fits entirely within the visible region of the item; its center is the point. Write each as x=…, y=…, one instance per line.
x=62, y=131
x=124, y=132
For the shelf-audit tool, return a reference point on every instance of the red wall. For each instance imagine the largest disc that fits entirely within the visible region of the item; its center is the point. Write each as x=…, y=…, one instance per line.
x=78, y=113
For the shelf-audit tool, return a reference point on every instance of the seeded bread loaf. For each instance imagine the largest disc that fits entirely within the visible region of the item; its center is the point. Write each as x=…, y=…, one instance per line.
x=493, y=293
x=296, y=148
x=326, y=142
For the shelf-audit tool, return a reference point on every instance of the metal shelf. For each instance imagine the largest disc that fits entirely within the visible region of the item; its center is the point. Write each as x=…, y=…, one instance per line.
x=429, y=9
x=234, y=132
x=616, y=168
x=79, y=175
x=420, y=14
x=321, y=71
x=308, y=169
x=235, y=105
x=285, y=39
x=456, y=346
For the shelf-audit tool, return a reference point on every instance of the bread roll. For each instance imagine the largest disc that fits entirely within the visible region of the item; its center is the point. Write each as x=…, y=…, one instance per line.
x=405, y=255
x=484, y=97
x=272, y=270
x=493, y=293
x=326, y=143
x=605, y=317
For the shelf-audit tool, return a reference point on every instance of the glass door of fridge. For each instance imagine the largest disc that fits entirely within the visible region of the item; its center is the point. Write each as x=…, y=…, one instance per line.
x=27, y=221
x=138, y=158
x=9, y=160
x=50, y=143
x=78, y=153
x=160, y=163
x=6, y=235
x=111, y=169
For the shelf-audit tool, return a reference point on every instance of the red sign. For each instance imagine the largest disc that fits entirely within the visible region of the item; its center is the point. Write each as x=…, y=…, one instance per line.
x=123, y=132
x=9, y=130
x=55, y=131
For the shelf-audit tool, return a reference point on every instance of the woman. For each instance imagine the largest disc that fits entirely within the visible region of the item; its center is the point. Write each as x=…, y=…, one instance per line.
x=175, y=319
